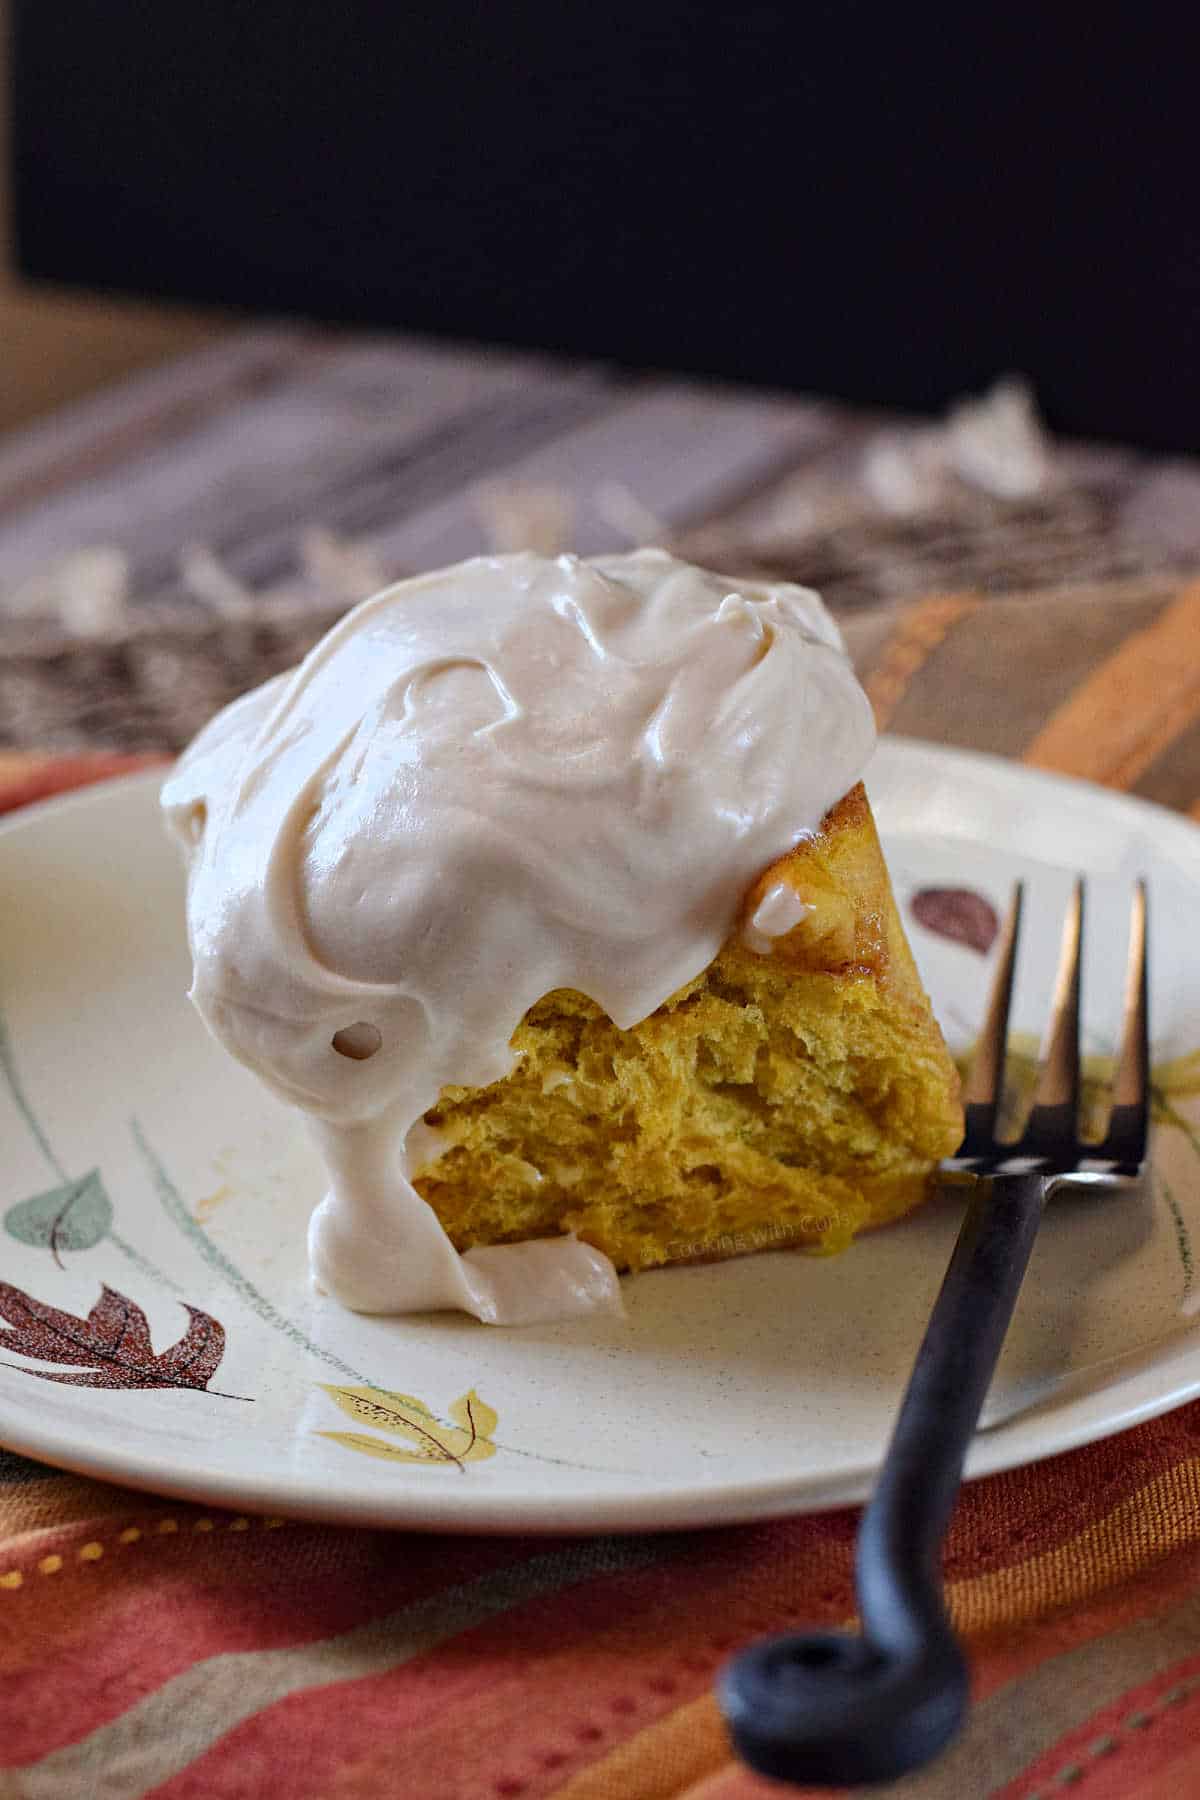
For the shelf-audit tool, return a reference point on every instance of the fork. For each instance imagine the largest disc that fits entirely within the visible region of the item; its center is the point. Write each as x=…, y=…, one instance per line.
x=836, y=1709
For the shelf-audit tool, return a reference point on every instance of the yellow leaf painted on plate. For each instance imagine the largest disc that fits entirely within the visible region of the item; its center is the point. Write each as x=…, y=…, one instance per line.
x=1180, y=1076
x=465, y=1437
x=373, y=1446
x=381, y=1407
x=475, y=1416
x=1020, y=1080
x=1171, y=1081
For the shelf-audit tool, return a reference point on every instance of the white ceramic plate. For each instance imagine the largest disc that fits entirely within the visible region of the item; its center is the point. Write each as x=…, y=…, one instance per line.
x=137, y=1159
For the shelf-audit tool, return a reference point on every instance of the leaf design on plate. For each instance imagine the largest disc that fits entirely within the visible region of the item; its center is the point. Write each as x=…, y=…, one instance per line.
x=466, y=1438
x=963, y=915
x=1180, y=1076
x=111, y=1348
x=77, y=1215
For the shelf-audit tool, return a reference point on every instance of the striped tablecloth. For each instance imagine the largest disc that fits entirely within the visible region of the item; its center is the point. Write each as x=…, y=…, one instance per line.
x=198, y=527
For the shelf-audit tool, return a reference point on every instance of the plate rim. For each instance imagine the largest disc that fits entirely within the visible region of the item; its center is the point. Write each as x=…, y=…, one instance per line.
x=994, y=1451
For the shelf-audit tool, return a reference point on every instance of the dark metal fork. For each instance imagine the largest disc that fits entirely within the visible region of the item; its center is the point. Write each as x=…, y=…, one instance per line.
x=837, y=1709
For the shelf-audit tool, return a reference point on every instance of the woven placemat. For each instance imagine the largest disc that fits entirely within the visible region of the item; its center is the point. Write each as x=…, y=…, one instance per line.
x=194, y=531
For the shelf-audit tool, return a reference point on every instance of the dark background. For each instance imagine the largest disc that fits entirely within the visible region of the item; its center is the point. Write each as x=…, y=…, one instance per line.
x=890, y=205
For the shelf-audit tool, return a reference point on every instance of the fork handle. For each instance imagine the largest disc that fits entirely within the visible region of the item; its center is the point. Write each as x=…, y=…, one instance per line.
x=837, y=1709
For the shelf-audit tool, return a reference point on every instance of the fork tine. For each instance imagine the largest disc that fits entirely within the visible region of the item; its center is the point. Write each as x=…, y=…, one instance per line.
x=1128, y=1124
x=1052, y=1131
x=985, y=1082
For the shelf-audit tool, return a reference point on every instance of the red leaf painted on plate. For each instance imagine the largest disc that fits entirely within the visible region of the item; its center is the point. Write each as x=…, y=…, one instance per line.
x=960, y=914
x=43, y=1331
x=112, y=1345
x=196, y=1357
x=120, y=1325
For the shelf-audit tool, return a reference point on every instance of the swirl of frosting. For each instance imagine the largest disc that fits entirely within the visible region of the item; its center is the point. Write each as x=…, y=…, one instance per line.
x=514, y=775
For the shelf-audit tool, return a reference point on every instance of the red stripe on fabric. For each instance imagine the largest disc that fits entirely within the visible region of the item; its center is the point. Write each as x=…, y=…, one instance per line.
x=45, y=777
x=1012, y=1517
x=567, y=1677
x=297, y=1746
x=153, y=1608
x=1177, y=1778
x=1124, y=1749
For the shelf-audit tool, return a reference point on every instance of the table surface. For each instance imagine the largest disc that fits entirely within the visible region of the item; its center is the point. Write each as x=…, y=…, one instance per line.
x=60, y=346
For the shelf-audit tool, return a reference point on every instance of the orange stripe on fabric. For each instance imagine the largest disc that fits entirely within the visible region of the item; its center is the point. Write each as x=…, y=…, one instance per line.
x=1130, y=709
x=917, y=635
x=45, y=1502
x=18, y=762
x=1008, y=1518
x=1194, y=811
x=24, y=779
x=735, y=1782
x=657, y=1764
x=1145, y=1528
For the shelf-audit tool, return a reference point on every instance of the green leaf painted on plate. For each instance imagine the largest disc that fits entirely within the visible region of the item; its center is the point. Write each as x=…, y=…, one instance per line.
x=74, y=1216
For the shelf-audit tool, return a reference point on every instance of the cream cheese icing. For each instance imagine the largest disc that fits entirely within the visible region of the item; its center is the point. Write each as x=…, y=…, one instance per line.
x=518, y=774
